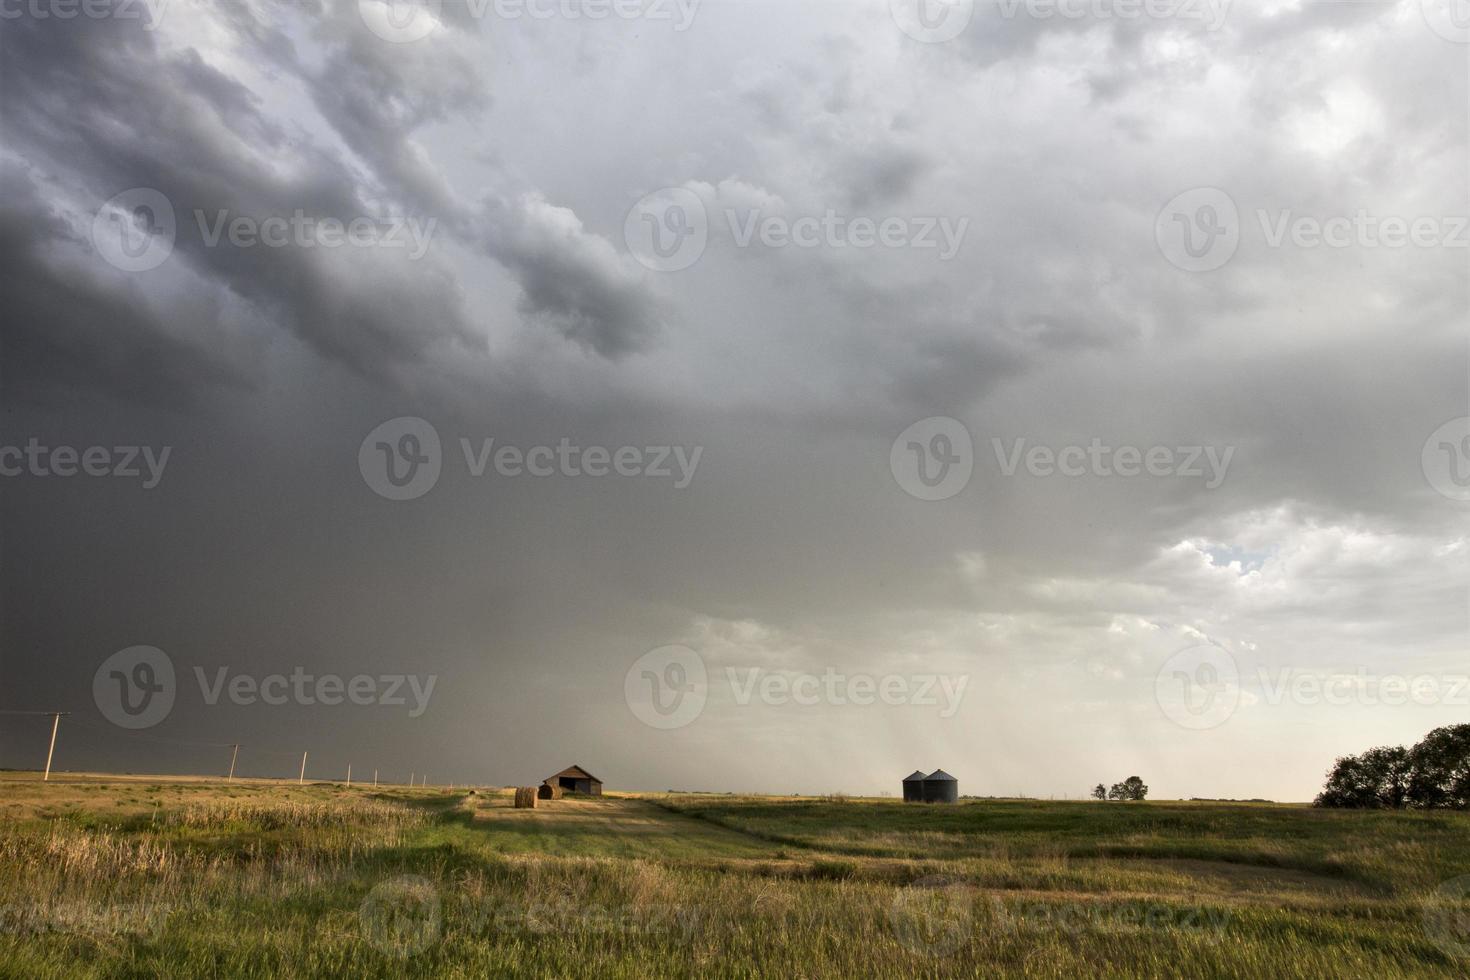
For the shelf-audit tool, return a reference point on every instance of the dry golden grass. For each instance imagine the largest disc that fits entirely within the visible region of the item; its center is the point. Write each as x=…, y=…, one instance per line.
x=160, y=878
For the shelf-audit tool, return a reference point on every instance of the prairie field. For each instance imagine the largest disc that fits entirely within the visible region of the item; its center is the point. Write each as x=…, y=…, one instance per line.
x=112, y=877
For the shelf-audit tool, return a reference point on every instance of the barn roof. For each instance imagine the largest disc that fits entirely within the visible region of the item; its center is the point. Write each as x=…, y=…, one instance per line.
x=939, y=775
x=572, y=772
x=914, y=777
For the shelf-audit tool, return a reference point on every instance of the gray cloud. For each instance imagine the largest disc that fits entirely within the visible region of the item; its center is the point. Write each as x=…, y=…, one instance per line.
x=1057, y=321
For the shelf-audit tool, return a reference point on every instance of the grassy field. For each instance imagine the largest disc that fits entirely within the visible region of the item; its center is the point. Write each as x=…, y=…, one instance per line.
x=147, y=878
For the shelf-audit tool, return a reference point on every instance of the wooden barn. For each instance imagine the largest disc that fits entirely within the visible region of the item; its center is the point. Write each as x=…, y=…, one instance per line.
x=573, y=779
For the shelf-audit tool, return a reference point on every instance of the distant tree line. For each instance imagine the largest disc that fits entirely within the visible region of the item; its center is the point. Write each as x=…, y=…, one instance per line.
x=1435, y=774
x=1131, y=788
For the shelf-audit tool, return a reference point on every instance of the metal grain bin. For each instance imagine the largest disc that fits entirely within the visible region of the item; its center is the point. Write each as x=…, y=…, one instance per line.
x=941, y=787
x=913, y=787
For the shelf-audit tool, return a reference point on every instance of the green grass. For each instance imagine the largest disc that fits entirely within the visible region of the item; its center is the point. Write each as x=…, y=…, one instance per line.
x=138, y=879
x=1381, y=849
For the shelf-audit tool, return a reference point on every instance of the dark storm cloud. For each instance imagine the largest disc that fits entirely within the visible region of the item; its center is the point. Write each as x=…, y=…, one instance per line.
x=68, y=332
x=571, y=282
x=528, y=321
x=101, y=106
x=98, y=105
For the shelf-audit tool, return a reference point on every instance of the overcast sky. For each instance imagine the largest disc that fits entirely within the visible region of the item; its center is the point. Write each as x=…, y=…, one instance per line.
x=763, y=246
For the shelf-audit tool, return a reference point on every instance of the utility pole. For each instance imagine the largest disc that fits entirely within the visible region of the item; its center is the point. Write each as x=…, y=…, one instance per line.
x=349, y=774
x=55, y=724
x=410, y=780
x=375, y=779
x=302, y=778
x=233, y=756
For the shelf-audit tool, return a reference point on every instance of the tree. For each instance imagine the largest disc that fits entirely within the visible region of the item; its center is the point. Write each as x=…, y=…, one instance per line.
x=1134, y=789
x=1099, y=792
x=1379, y=779
x=1389, y=769
x=1118, y=792
x=1349, y=785
x=1439, y=769
x=1435, y=773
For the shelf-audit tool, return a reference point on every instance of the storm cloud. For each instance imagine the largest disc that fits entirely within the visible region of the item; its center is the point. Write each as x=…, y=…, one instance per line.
x=535, y=315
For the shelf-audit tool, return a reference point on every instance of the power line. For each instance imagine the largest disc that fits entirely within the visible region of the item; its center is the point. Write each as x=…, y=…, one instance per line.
x=113, y=730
